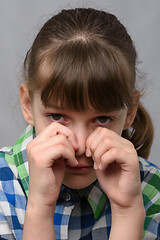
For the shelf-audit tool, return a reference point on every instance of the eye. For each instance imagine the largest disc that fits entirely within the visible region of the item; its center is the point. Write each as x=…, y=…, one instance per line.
x=57, y=117
x=103, y=120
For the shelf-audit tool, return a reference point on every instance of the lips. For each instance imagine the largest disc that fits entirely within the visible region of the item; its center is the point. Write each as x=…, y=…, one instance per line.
x=81, y=168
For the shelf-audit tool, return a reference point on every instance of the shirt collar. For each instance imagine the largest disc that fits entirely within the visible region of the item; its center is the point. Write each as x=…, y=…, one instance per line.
x=94, y=193
x=20, y=156
x=97, y=199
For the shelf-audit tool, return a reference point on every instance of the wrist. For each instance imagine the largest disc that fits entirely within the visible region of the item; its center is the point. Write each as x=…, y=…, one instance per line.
x=131, y=207
x=39, y=209
x=38, y=222
x=128, y=227
x=129, y=214
x=128, y=222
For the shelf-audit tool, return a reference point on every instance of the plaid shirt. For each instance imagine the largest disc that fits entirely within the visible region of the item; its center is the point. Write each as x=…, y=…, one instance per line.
x=80, y=214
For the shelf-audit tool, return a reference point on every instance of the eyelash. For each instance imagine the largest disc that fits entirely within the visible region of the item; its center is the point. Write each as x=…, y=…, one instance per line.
x=105, y=123
x=51, y=116
x=63, y=118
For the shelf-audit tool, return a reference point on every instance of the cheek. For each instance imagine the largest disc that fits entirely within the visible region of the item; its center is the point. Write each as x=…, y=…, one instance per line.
x=41, y=123
x=118, y=126
x=117, y=130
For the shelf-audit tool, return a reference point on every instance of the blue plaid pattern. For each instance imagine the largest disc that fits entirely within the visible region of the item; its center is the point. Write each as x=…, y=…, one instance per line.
x=74, y=217
x=80, y=214
x=12, y=203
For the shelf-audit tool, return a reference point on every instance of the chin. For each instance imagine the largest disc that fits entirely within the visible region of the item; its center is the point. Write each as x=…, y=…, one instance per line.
x=79, y=181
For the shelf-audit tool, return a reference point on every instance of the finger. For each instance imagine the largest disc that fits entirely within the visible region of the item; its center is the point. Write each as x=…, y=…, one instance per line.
x=60, y=151
x=46, y=157
x=100, y=142
x=101, y=133
x=127, y=161
x=99, y=151
x=55, y=147
x=55, y=129
x=107, y=144
x=58, y=139
x=97, y=138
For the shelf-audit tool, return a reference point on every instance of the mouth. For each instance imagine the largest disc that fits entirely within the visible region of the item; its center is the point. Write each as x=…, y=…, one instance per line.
x=80, y=169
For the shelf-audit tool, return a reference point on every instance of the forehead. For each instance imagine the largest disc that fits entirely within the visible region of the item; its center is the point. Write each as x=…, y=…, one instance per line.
x=90, y=112
x=78, y=76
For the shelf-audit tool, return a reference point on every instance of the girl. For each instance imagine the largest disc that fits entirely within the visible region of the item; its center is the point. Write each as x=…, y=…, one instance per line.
x=75, y=172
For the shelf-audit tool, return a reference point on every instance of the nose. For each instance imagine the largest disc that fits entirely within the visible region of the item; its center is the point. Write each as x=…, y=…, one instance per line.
x=81, y=134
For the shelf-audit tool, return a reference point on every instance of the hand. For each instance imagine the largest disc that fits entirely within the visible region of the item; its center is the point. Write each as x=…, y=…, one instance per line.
x=117, y=167
x=46, y=154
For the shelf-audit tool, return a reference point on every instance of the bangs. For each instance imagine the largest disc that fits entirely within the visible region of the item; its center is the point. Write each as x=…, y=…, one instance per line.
x=81, y=74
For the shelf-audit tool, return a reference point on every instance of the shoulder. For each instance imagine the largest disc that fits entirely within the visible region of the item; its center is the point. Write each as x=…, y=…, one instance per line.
x=7, y=164
x=150, y=180
x=150, y=173
x=10, y=184
x=12, y=197
x=150, y=184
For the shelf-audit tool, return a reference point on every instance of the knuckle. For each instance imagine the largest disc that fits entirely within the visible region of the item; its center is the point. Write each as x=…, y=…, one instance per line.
x=92, y=149
x=55, y=127
x=130, y=147
x=103, y=131
x=62, y=138
x=107, y=141
x=129, y=143
x=114, y=152
x=32, y=152
x=61, y=147
x=55, y=124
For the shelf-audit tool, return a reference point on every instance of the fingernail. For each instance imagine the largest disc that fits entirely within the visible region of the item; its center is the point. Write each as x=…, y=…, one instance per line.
x=76, y=146
x=100, y=166
x=93, y=158
x=88, y=152
x=76, y=162
x=95, y=166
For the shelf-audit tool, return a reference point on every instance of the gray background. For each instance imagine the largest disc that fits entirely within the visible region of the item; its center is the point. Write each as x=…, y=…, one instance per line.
x=21, y=20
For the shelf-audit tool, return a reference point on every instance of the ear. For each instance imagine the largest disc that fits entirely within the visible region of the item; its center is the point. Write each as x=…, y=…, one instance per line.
x=131, y=113
x=26, y=104
x=130, y=117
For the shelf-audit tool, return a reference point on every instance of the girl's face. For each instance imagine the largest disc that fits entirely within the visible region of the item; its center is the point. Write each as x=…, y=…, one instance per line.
x=82, y=124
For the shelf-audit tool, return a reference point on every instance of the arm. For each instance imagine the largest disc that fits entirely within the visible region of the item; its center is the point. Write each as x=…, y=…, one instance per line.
x=38, y=223
x=128, y=223
x=46, y=154
x=117, y=169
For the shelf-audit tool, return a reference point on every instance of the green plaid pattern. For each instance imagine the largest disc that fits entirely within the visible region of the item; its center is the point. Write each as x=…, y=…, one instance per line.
x=151, y=199
x=97, y=204
x=19, y=159
x=19, y=150
x=95, y=211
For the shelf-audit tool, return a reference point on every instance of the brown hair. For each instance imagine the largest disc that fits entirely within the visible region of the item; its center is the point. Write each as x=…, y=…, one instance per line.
x=85, y=57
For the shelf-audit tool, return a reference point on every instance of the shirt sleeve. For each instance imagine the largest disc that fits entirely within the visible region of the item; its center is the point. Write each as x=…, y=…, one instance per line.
x=5, y=231
x=12, y=203
x=151, y=197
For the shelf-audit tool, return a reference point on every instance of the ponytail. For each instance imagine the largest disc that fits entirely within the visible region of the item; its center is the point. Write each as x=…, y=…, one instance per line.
x=142, y=132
